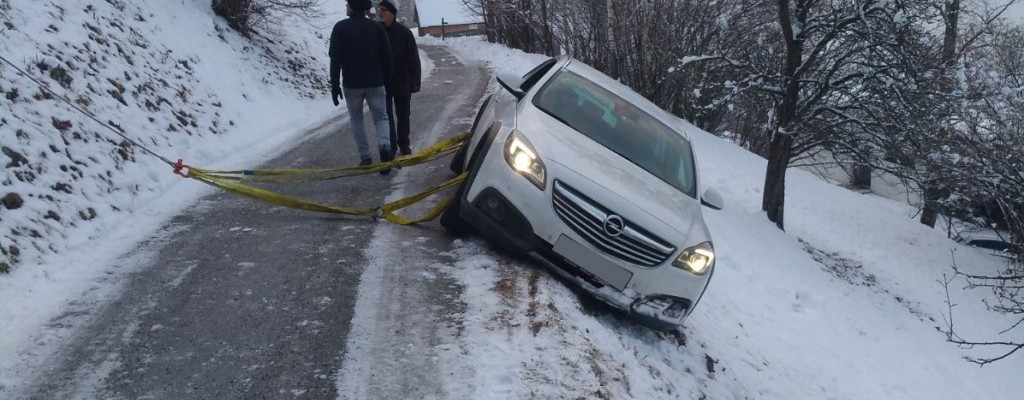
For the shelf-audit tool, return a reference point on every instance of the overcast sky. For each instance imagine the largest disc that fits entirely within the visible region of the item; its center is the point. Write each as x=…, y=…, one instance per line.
x=1016, y=12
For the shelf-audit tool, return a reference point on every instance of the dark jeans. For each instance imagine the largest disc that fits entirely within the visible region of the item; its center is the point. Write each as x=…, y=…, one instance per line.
x=400, y=105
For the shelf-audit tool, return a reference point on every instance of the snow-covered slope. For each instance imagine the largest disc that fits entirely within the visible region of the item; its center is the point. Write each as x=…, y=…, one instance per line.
x=167, y=74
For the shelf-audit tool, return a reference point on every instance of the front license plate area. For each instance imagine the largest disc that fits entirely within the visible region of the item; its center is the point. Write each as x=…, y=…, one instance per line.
x=587, y=260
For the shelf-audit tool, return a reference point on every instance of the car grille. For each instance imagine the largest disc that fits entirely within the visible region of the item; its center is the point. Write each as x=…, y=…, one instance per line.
x=587, y=218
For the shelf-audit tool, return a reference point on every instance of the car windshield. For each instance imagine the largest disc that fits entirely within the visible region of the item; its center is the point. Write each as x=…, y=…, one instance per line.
x=620, y=126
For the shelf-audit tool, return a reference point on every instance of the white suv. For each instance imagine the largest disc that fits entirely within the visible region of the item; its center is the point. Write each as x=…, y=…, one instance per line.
x=578, y=171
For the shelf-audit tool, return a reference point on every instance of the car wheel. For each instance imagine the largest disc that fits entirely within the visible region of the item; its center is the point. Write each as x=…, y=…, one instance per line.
x=450, y=218
x=459, y=161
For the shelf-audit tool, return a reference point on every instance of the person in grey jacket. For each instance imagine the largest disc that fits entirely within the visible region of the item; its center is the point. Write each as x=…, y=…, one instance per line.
x=405, y=74
x=361, y=53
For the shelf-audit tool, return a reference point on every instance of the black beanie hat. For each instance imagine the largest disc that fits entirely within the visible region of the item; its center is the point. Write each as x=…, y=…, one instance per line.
x=360, y=5
x=389, y=5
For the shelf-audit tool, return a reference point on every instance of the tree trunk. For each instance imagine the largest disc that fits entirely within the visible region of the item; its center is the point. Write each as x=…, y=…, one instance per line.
x=930, y=212
x=549, y=46
x=490, y=22
x=774, y=200
x=932, y=189
x=612, y=63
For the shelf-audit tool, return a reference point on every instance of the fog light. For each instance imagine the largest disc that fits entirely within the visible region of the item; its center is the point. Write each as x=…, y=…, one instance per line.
x=663, y=308
x=494, y=206
x=492, y=203
x=676, y=310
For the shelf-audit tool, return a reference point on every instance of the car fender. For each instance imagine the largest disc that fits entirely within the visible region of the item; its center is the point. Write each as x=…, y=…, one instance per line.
x=497, y=109
x=476, y=158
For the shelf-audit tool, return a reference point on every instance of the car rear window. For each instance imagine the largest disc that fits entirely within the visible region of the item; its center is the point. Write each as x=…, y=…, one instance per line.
x=620, y=126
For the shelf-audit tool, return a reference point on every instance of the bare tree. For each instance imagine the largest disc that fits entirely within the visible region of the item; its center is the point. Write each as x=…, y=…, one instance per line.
x=818, y=80
x=638, y=41
x=244, y=15
x=822, y=69
x=990, y=167
x=1007, y=291
x=521, y=24
x=995, y=122
x=950, y=12
x=729, y=47
x=927, y=150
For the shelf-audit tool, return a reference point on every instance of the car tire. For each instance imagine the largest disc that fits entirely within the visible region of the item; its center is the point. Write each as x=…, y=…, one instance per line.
x=459, y=160
x=450, y=219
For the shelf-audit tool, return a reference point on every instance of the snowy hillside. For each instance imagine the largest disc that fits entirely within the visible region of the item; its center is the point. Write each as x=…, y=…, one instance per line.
x=169, y=75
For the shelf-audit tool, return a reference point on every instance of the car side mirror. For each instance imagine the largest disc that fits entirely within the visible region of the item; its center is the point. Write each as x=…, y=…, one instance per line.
x=512, y=83
x=712, y=199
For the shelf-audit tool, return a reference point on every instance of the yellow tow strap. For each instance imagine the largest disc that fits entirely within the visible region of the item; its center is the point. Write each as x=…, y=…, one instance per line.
x=232, y=181
x=435, y=151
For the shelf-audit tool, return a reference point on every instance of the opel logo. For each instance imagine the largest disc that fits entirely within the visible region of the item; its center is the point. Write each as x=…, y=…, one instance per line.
x=614, y=225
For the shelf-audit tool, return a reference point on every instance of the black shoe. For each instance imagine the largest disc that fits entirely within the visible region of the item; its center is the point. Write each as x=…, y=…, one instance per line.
x=366, y=161
x=385, y=156
x=406, y=151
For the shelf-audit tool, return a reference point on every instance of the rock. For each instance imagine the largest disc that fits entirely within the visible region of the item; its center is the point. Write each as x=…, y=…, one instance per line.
x=17, y=159
x=13, y=201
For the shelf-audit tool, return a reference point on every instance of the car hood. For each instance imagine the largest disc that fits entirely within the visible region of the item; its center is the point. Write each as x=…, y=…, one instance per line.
x=558, y=143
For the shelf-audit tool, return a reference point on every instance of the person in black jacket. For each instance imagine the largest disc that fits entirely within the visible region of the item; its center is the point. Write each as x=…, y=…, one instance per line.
x=360, y=51
x=405, y=74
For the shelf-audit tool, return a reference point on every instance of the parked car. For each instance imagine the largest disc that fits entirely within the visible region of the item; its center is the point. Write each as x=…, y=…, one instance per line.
x=581, y=173
x=991, y=242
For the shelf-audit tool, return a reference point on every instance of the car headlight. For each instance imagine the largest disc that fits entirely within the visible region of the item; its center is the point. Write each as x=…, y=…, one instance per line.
x=698, y=259
x=523, y=159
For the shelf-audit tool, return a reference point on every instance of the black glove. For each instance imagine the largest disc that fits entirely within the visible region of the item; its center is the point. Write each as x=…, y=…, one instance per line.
x=416, y=88
x=336, y=95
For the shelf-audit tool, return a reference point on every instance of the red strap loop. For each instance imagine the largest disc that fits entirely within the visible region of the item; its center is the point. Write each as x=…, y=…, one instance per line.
x=178, y=167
